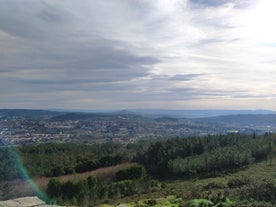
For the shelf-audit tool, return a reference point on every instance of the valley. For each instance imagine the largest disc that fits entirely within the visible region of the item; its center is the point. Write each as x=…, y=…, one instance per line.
x=40, y=126
x=138, y=160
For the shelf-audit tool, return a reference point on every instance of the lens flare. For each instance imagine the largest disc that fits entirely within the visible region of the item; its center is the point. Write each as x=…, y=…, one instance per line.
x=26, y=177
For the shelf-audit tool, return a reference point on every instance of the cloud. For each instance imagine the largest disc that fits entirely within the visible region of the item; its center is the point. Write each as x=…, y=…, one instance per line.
x=187, y=77
x=131, y=54
x=32, y=19
x=216, y=3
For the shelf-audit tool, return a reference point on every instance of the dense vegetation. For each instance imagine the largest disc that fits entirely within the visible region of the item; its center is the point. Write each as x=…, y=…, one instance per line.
x=53, y=160
x=129, y=181
x=56, y=159
x=9, y=168
x=208, y=170
x=205, y=156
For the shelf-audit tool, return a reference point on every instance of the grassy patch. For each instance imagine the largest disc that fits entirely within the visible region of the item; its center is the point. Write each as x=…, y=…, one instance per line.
x=227, y=185
x=167, y=201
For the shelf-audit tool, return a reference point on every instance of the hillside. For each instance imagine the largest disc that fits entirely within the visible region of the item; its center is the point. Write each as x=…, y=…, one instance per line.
x=243, y=120
x=237, y=186
x=36, y=126
x=198, y=113
x=213, y=168
x=28, y=113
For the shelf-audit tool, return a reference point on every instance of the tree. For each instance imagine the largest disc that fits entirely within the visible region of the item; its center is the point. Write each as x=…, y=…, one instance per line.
x=131, y=173
x=54, y=188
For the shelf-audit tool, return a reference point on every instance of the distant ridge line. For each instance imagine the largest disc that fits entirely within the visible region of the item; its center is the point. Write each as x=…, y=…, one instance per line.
x=201, y=113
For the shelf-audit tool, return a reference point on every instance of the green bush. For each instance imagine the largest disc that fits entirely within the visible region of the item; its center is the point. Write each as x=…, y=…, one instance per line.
x=200, y=203
x=214, y=185
x=217, y=201
x=238, y=182
x=131, y=173
x=264, y=190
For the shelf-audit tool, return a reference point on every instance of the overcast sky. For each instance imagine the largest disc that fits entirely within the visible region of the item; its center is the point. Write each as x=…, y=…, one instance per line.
x=124, y=54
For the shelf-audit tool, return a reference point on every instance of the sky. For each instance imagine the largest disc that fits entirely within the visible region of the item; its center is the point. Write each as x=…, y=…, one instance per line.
x=137, y=54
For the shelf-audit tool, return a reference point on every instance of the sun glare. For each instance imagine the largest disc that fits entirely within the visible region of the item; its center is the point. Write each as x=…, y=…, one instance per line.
x=259, y=22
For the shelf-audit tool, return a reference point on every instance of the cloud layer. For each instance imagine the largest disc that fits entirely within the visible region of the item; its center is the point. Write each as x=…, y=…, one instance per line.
x=137, y=54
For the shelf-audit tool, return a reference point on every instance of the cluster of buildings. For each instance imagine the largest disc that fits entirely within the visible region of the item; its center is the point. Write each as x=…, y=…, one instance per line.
x=14, y=131
x=20, y=130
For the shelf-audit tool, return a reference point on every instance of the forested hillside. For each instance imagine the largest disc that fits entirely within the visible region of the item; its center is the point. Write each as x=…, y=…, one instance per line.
x=155, y=167
x=205, y=155
x=56, y=159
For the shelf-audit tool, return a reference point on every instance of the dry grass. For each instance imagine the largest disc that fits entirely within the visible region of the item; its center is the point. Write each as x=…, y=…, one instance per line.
x=100, y=173
x=20, y=187
x=187, y=188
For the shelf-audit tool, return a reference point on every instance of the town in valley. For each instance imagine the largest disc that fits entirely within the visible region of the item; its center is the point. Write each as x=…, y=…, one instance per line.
x=19, y=127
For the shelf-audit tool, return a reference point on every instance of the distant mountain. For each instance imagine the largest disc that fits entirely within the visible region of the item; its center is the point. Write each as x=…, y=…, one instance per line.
x=95, y=116
x=81, y=116
x=28, y=113
x=198, y=113
x=243, y=119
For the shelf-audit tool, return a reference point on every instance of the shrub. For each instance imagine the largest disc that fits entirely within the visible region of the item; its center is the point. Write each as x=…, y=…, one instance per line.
x=238, y=182
x=131, y=173
x=214, y=185
x=54, y=188
x=264, y=190
x=200, y=203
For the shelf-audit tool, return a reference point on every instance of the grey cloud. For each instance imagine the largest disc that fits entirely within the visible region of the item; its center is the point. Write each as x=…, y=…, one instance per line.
x=242, y=4
x=215, y=3
x=30, y=19
x=176, y=77
x=54, y=15
x=18, y=27
x=106, y=56
x=54, y=53
x=18, y=20
x=187, y=77
x=86, y=74
x=101, y=61
x=193, y=92
x=83, y=86
x=205, y=93
x=211, y=2
x=250, y=95
x=172, y=95
x=211, y=41
x=119, y=51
